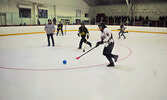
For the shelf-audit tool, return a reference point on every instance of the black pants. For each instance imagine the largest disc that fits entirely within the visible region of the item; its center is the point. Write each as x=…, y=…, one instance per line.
x=59, y=30
x=83, y=39
x=121, y=33
x=54, y=22
x=107, y=51
x=48, y=37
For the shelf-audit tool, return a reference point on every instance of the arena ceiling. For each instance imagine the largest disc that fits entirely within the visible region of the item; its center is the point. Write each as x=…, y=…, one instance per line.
x=110, y=2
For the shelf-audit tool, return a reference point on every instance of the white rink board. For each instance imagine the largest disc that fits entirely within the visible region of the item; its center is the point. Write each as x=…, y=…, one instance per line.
x=26, y=29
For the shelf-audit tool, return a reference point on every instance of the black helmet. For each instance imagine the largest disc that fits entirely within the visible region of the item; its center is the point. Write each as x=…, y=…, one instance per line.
x=49, y=20
x=82, y=23
x=102, y=25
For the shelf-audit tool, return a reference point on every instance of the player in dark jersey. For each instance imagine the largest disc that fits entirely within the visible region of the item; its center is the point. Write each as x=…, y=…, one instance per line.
x=84, y=33
x=59, y=27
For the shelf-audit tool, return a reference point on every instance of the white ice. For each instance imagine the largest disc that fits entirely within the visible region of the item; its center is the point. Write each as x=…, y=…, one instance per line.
x=30, y=70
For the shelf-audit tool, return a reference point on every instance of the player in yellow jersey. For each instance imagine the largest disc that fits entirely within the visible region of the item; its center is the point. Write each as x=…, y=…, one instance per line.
x=84, y=33
x=122, y=31
x=59, y=27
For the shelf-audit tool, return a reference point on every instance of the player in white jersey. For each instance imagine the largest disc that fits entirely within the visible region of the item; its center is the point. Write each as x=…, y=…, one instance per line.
x=107, y=39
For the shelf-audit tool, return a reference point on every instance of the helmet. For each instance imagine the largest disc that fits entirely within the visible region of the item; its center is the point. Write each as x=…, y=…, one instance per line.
x=102, y=25
x=82, y=23
x=49, y=20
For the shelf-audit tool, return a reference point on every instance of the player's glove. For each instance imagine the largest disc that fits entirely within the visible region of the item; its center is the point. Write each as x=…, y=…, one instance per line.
x=99, y=43
x=87, y=36
x=78, y=34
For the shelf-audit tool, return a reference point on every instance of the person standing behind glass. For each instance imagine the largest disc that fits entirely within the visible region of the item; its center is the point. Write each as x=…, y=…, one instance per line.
x=54, y=21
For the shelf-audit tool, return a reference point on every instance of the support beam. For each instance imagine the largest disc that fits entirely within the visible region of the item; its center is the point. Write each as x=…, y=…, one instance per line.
x=90, y=2
x=130, y=10
x=35, y=13
x=54, y=9
x=127, y=2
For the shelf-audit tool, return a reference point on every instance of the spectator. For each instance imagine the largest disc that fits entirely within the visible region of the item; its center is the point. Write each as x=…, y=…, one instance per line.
x=38, y=21
x=135, y=18
x=24, y=24
x=54, y=21
x=140, y=18
x=146, y=18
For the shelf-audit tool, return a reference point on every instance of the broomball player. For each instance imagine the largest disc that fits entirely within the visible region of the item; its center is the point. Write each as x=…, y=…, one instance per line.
x=107, y=39
x=84, y=33
x=59, y=27
x=122, y=31
x=49, y=28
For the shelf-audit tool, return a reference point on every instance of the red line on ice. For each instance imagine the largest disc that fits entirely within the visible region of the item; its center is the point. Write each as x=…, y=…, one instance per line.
x=130, y=53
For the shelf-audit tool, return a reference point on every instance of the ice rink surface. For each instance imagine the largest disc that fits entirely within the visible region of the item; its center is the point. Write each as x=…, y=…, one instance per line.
x=30, y=70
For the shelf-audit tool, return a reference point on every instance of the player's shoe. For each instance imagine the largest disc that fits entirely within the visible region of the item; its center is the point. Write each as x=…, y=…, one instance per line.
x=116, y=58
x=110, y=65
x=90, y=45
